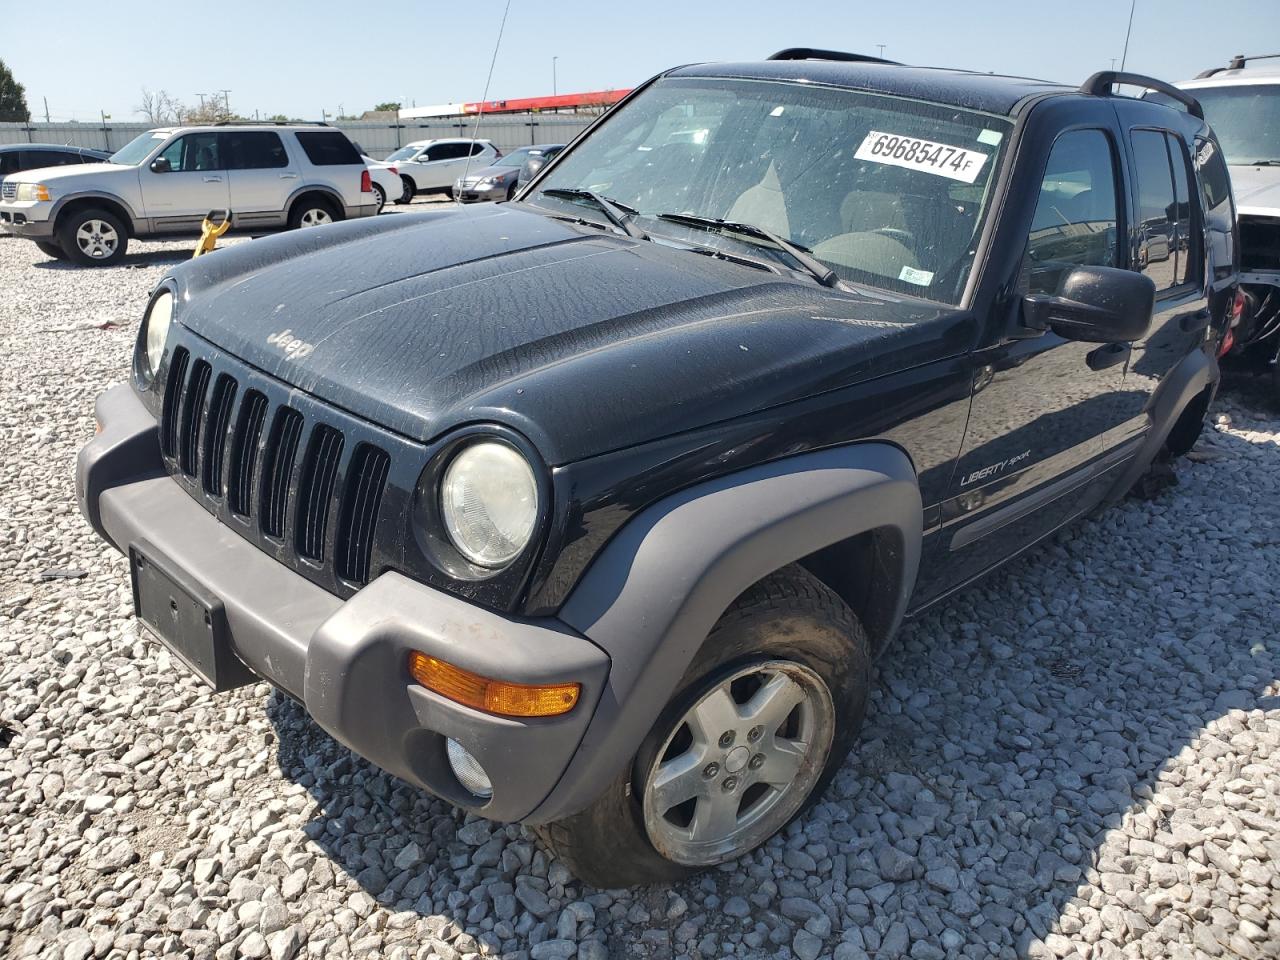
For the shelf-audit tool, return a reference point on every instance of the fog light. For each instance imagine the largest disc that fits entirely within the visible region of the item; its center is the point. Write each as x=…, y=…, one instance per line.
x=468, y=770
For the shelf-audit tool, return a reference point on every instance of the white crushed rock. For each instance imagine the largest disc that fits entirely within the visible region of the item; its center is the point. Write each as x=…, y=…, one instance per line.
x=1080, y=757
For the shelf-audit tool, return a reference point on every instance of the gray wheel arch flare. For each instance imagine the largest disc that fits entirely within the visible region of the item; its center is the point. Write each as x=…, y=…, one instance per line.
x=653, y=594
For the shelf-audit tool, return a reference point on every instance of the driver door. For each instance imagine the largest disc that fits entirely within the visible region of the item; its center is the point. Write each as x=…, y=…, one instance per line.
x=186, y=180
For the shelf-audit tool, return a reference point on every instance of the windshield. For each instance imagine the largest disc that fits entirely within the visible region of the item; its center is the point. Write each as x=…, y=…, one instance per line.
x=1246, y=119
x=404, y=153
x=138, y=149
x=515, y=158
x=886, y=191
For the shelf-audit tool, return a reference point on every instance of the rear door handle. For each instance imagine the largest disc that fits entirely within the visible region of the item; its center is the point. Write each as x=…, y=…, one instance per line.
x=288, y=176
x=212, y=179
x=1108, y=355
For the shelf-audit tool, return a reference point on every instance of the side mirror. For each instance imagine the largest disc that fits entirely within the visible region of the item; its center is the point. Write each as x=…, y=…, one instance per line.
x=161, y=165
x=1094, y=305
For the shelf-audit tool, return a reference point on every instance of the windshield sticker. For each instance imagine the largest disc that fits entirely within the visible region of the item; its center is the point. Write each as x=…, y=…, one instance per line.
x=921, y=278
x=916, y=153
x=990, y=137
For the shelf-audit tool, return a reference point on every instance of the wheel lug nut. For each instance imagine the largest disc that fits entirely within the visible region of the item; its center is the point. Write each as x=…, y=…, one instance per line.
x=726, y=739
x=710, y=770
x=729, y=784
x=755, y=733
x=757, y=761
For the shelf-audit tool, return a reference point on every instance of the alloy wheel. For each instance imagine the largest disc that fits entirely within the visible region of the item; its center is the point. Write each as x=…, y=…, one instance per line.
x=739, y=763
x=97, y=239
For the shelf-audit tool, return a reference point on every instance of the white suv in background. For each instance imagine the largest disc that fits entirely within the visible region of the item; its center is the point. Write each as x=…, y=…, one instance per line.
x=432, y=166
x=165, y=181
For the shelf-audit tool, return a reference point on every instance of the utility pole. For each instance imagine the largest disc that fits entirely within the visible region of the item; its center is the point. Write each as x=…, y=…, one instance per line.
x=324, y=117
x=226, y=99
x=106, y=131
x=881, y=48
x=553, y=76
x=1113, y=63
x=46, y=110
x=201, y=96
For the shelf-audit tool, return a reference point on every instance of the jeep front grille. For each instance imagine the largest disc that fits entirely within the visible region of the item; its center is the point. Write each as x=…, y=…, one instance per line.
x=303, y=481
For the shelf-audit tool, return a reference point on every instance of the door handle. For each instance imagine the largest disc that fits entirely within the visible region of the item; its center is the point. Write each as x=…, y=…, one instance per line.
x=288, y=176
x=212, y=179
x=1108, y=355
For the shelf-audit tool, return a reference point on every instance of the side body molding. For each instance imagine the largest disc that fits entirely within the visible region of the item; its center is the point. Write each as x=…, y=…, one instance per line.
x=653, y=594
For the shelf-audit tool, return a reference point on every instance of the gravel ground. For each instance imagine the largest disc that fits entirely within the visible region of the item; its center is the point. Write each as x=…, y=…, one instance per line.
x=1079, y=757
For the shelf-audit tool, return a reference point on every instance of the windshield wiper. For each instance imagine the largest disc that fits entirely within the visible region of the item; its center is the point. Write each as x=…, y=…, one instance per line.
x=619, y=214
x=809, y=263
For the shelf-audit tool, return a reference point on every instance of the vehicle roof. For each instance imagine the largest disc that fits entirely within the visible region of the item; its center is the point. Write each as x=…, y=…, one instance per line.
x=420, y=143
x=1234, y=78
x=992, y=93
x=70, y=147
x=228, y=127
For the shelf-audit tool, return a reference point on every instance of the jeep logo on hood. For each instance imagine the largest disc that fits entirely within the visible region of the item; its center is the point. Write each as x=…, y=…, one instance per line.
x=293, y=348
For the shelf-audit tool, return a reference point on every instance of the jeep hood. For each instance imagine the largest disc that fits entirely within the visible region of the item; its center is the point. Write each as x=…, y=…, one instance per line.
x=584, y=340
x=1257, y=190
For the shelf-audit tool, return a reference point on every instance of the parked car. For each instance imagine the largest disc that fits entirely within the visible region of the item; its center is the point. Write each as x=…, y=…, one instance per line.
x=601, y=524
x=165, y=181
x=538, y=158
x=386, y=181
x=432, y=166
x=16, y=157
x=496, y=182
x=1243, y=105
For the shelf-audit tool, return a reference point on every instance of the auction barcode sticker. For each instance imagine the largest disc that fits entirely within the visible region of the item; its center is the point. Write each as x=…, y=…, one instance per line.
x=916, y=153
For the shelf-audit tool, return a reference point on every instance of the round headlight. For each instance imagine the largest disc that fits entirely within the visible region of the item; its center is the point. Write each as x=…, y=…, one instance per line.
x=155, y=331
x=489, y=502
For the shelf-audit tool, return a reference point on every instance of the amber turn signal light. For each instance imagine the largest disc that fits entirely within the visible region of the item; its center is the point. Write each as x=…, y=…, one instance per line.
x=492, y=696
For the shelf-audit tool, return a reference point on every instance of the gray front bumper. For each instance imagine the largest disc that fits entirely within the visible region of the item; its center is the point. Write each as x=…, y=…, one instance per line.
x=21, y=227
x=348, y=661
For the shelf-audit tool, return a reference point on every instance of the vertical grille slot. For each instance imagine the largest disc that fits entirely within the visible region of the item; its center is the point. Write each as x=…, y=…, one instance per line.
x=366, y=479
x=244, y=452
x=282, y=450
x=215, y=437
x=192, y=410
x=319, y=472
x=173, y=400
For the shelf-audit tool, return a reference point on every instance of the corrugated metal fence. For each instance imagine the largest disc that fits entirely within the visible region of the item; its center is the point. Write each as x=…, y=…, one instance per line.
x=378, y=137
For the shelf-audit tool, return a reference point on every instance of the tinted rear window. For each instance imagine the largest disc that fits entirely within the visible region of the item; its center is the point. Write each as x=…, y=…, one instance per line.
x=329, y=148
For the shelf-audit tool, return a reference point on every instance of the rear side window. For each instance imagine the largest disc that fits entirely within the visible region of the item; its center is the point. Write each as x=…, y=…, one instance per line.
x=1166, y=244
x=328, y=148
x=1075, y=218
x=8, y=162
x=1215, y=182
x=477, y=148
x=254, y=150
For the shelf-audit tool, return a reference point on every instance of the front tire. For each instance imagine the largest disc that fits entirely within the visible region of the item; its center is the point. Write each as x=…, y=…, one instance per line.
x=759, y=725
x=51, y=250
x=93, y=238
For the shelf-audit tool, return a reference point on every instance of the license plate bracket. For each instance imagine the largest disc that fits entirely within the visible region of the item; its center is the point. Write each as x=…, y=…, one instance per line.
x=186, y=617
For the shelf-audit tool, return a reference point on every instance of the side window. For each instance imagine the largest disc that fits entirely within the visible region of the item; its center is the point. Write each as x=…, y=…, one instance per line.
x=1157, y=208
x=328, y=148
x=1075, y=218
x=47, y=158
x=1215, y=182
x=195, y=151
x=254, y=150
x=1186, y=250
x=8, y=162
x=476, y=149
x=447, y=151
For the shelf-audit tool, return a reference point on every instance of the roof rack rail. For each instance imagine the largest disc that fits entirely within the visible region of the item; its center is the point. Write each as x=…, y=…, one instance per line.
x=812, y=53
x=1237, y=63
x=266, y=123
x=1100, y=84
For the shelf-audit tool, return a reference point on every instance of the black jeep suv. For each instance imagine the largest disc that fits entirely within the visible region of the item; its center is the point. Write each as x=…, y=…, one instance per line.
x=591, y=510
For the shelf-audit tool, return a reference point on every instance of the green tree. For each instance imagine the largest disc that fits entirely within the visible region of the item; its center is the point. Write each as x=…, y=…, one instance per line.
x=387, y=106
x=13, y=97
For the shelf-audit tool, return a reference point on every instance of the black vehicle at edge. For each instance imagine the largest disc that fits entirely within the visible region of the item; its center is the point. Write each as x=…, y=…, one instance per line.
x=591, y=511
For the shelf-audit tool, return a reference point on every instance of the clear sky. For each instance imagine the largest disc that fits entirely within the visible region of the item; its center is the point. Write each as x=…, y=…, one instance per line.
x=296, y=58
